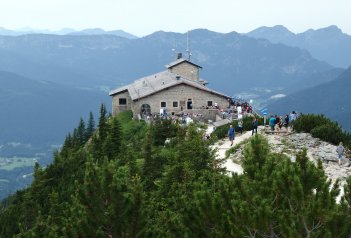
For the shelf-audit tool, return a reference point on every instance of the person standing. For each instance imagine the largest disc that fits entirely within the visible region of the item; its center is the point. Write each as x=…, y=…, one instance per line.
x=277, y=123
x=240, y=126
x=280, y=124
x=254, y=125
x=286, y=121
x=340, y=150
x=292, y=116
x=272, y=122
x=231, y=134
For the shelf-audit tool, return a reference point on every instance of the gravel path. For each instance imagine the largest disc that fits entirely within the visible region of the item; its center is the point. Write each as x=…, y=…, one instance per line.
x=223, y=145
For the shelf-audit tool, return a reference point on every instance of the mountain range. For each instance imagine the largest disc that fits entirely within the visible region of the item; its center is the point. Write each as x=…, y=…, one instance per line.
x=85, y=67
x=66, y=31
x=38, y=114
x=328, y=44
x=232, y=62
x=48, y=81
x=331, y=99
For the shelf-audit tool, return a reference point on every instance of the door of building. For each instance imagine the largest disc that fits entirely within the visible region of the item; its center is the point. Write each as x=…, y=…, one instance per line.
x=145, y=110
x=189, y=104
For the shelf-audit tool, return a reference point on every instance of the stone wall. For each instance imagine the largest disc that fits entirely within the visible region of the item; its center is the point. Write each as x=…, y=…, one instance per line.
x=207, y=114
x=180, y=94
x=116, y=108
x=186, y=70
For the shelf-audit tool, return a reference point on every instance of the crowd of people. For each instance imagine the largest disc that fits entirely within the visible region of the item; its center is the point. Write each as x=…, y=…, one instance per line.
x=278, y=122
x=244, y=105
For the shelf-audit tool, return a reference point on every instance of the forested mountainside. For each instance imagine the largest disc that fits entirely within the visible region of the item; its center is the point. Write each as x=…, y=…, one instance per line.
x=48, y=81
x=331, y=98
x=122, y=181
x=328, y=44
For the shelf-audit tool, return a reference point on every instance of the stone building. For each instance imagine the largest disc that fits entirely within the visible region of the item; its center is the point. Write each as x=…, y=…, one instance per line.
x=178, y=88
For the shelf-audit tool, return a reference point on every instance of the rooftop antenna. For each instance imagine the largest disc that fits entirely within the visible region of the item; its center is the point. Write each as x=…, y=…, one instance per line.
x=187, y=46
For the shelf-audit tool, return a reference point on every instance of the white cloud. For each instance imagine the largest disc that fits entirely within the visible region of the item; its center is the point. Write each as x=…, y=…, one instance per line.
x=277, y=96
x=18, y=144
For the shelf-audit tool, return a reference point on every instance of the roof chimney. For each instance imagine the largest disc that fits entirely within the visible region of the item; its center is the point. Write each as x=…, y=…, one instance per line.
x=179, y=56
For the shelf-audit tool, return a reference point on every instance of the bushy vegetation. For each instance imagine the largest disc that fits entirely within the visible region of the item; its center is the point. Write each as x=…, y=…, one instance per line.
x=321, y=127
x=108, y=186
x=221, y=131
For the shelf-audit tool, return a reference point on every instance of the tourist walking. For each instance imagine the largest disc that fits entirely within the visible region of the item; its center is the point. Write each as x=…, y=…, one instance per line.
x=254, y=125
x=340, y=150
x=231, y=134
x=240, y=127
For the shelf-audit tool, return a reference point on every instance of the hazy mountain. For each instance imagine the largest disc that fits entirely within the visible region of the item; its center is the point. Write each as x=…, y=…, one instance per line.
x=40, y=113
x=329, y=44
x=6, y=32
x=231, y=62
x=332, y=99
x=98, y=31
x=65, y=31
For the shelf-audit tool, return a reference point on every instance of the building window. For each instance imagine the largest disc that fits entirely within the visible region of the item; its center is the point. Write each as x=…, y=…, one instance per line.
x=163, y=104
x=209, y=103
x=175, y=104
x=122, y=101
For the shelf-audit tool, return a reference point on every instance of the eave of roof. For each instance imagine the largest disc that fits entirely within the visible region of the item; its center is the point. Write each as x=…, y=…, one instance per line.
x=189, y=84
x=152, y=84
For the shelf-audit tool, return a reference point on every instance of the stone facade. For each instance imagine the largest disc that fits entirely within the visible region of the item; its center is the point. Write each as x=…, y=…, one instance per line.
x=179, y=88
x=117, y=107
x=181, y=95
x=187, y=70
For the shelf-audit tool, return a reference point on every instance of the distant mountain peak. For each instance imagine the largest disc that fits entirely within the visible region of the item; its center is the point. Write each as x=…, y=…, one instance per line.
x=332, y=29
x=276, y=29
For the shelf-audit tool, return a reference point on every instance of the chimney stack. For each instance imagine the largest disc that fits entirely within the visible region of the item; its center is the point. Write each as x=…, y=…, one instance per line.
x=179, y=56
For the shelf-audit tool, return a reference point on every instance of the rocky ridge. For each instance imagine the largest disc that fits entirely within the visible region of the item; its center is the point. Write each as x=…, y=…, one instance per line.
x=291, y=143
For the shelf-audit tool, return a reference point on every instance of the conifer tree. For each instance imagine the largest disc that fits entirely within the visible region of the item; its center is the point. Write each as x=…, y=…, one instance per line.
x=113, y=142
x=103, y=124
x=90, y=126
x=81, y=132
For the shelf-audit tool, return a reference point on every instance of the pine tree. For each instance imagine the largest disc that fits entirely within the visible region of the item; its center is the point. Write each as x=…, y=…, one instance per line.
x=90, y=126
x=103, y=124
x=113, y=142
x=81, y=132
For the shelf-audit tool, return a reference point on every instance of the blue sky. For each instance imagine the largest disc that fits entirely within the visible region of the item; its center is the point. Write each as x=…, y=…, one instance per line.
x=142, y=17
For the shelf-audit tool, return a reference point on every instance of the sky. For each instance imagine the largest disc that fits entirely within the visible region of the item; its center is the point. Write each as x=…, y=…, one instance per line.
x=143, y=17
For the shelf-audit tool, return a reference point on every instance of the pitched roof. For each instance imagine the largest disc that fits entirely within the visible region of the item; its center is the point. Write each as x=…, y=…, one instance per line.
x=157, y=82
x=179, y=61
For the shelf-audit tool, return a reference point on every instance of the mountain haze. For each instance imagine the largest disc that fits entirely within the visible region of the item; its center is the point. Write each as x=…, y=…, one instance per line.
x=40, y=112
x=332, y=99
x=328, y=44
x=231, y=62
x=66, y=31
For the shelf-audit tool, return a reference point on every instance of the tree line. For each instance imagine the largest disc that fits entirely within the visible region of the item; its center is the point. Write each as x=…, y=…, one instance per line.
x=121, y=180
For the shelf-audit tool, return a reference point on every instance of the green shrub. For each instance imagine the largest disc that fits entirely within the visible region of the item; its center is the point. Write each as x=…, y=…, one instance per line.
x=305, y=123
x=329, y=132
x=131, y=128
x=323, y=128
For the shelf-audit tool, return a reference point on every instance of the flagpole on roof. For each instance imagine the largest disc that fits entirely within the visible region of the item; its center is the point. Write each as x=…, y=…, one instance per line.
x=187, y=46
